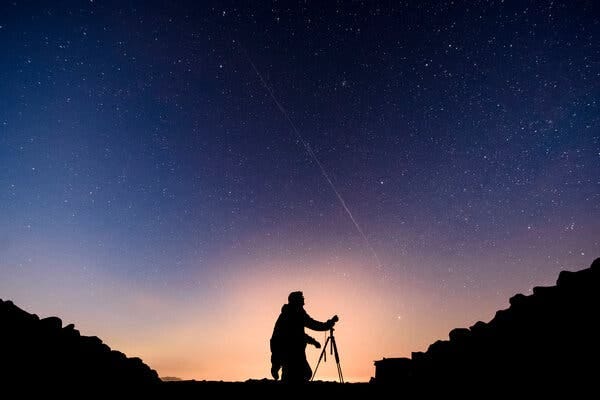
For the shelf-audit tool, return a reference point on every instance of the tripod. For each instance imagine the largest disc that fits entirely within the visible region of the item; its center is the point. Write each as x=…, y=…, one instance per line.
x=333, y=350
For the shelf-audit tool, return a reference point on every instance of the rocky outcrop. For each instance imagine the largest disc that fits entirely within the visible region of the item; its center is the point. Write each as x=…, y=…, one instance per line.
x=548, y=339
x=43, y=351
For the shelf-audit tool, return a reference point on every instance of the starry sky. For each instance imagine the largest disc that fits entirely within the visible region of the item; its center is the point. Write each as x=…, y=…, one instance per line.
x=170, y=171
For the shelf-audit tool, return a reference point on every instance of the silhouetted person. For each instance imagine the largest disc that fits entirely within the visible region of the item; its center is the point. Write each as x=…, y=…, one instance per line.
x=288, y=342
x=276, y=353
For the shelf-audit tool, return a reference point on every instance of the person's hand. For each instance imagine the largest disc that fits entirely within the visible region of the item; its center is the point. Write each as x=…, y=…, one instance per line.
x=331, y=322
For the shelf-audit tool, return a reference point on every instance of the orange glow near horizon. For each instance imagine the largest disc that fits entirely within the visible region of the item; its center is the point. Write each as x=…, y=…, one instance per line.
x=217, y=326
x=232, y=343
x=226, y=337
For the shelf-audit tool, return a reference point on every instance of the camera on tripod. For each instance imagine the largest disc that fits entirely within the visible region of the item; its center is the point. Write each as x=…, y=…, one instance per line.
x=333, y=349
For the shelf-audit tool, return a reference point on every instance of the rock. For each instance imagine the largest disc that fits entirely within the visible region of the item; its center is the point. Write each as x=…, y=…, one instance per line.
x=439, y=348
x=70, y=329
x=544, y=290
x=518, y=300
x=42, y=352
x=566, y=278
x=92, y=340
x=52, y=323
x=459, y=334
x=550, y=336
x=478, y=326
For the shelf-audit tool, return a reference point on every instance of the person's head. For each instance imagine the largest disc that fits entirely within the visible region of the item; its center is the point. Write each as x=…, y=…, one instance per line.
x=296, y=299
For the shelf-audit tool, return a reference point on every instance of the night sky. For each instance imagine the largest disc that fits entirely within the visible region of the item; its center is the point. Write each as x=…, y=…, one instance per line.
x=170, y=171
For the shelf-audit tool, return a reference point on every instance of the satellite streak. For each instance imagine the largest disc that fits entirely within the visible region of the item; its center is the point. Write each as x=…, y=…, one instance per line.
x=312, y=154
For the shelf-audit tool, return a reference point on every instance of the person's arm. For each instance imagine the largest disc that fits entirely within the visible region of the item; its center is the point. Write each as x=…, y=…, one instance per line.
x=311, y=340
x=318, y=325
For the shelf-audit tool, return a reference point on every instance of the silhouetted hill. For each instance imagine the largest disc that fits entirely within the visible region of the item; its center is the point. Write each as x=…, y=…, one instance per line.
x=43, y=351
x=547, y=340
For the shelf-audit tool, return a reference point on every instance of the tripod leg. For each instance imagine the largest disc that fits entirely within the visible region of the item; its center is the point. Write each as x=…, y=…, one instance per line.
x=320, y=357
x=337, y=360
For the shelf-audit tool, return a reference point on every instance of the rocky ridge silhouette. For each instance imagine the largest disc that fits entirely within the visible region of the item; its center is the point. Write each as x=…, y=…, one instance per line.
x=547, y=339
x=43, y=351
x=546, y=342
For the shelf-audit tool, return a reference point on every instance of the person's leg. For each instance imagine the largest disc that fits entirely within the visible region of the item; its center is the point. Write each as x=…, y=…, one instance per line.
x=294, y=372
x=307, y=371
x=275, y=371
x=275, y=365
x=285, y=371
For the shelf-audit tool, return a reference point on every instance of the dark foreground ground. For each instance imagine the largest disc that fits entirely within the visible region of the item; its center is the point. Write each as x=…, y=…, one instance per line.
x=266, y=389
